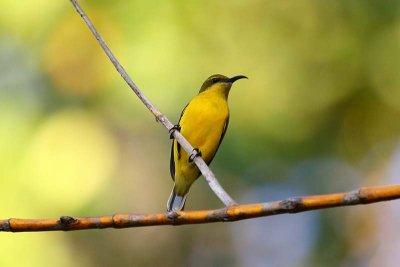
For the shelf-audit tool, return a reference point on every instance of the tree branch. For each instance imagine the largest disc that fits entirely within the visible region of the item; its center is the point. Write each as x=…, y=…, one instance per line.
x=205, y=170
x=364, y=195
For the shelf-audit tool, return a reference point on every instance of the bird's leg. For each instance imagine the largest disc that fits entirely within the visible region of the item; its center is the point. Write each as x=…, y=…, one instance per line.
x=195, y=153
x=171, y=131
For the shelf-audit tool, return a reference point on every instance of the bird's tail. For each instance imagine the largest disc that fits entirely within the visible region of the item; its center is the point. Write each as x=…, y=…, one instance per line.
x=176, y=202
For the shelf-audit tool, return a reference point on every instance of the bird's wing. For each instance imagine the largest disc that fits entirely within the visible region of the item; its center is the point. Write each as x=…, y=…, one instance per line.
x=178, y=148
x=172, y=162
x=220, y=139
x=224, y=130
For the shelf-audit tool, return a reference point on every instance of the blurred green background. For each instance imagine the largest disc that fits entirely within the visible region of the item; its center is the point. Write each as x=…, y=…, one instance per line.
x=319, y=114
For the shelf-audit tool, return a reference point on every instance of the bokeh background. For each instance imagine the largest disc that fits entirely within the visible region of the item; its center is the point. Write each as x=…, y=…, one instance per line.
x=319, y=114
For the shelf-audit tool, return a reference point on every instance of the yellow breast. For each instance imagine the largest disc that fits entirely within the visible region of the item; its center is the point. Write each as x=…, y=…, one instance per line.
x=202, y=124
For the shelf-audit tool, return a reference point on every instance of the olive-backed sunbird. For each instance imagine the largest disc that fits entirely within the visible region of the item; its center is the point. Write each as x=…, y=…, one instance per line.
x=203, y=123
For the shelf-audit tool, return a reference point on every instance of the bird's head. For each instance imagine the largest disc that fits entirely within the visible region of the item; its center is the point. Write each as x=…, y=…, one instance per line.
x=220, y=82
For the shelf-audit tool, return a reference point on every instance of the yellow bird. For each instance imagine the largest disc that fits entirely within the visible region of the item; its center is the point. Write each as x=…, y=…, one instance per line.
x=203, y=123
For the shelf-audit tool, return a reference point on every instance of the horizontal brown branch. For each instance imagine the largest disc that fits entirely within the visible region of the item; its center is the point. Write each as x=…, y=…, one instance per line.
x=364, y=195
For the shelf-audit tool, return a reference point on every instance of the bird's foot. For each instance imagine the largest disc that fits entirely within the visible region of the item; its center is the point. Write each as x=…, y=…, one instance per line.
x=171, y=131
x=195, y=153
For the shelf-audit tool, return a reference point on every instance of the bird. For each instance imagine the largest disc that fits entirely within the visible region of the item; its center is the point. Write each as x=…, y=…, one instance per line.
x=203, y=122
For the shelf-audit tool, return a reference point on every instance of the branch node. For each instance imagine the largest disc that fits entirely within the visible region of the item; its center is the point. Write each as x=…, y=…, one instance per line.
x=67, y=220
x=352, y=197
x=160, y=117
x=292, y=204
x=225, y=216
x=5, y=226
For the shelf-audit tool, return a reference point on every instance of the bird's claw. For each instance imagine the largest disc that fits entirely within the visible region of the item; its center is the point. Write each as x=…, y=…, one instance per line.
x=195, y=153
x=174, y=128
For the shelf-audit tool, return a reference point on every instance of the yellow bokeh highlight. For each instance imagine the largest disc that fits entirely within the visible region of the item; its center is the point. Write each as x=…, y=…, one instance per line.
x=34, y=250
x=70, y=159
x=384, y=67
x=29, y=21
x=75, y=62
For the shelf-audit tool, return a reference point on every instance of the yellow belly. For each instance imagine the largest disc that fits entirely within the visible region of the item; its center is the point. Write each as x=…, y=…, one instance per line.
x=202, y=124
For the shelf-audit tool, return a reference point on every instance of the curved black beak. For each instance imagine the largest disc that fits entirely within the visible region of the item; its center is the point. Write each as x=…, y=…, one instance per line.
x=235, y=78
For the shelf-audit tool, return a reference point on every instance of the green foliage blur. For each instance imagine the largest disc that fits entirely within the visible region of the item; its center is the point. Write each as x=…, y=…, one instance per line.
x=319, y=114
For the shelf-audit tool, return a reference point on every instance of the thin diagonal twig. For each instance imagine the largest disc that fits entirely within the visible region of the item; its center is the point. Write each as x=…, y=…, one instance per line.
x=364, y=195
x=205, y=170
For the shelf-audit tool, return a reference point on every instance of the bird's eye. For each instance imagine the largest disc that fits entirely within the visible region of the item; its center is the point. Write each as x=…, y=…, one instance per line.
x=214, y=80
